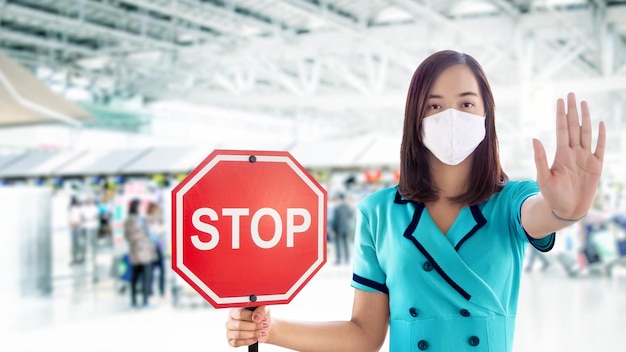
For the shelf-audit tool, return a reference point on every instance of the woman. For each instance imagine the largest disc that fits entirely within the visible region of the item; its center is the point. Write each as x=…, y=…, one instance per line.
x=154, y=221
x=79, y=246
x=438, y=259
x=142, y=253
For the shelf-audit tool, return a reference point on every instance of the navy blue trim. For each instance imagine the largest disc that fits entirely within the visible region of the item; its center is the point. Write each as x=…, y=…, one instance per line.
x=370, y=283
x=417, y=214
x=399, y=200
x=408, y=233
x=546, y=248
x=480, y=222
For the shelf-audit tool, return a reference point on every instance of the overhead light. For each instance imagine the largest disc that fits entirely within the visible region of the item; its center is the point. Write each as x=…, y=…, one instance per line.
x=43, y=72
x=94, y=62
x=556, y=3
x=77, y=94
x=393, y=14
x=186, y=38
x=473, y=7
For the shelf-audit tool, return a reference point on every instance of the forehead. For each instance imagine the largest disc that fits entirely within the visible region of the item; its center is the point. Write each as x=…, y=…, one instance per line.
x=455, y=80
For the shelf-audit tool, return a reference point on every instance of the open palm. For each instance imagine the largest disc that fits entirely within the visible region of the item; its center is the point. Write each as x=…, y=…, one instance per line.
x=570, y=184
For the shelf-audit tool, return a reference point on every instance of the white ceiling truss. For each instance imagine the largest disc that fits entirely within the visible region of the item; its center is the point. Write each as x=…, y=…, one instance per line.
x=341, y=63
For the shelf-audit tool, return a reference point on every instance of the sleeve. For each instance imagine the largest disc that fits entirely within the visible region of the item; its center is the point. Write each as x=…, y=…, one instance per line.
x=523, y=191
x=127, y=229
x=368, y=274
x=148, y=227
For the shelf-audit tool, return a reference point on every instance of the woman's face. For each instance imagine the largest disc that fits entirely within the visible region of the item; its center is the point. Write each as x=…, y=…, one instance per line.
x=456, y=88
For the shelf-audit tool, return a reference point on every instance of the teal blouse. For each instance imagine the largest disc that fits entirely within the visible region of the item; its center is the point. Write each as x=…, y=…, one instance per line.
x=447, y=292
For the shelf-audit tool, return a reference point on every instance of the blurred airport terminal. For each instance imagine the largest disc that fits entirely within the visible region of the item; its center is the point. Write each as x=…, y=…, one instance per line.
x=106, y=101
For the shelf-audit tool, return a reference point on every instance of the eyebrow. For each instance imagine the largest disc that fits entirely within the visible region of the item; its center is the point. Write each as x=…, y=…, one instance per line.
x=464, y=94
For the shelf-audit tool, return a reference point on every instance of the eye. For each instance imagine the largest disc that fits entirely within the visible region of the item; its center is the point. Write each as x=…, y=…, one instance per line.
x=434, y=106
x=467, y=105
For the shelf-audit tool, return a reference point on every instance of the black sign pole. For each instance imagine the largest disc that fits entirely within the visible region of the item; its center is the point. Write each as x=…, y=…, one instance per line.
x=255, y=346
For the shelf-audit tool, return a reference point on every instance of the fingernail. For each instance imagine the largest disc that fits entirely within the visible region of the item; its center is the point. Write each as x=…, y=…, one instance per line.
x=263, y=333
x=265, y=325
x=256, y=317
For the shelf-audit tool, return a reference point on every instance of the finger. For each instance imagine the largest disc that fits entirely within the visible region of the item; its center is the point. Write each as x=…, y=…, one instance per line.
x=601, y=145
x=541, y=162
x=562, y=134
x=240, y=314
x=262, y=310
x=585, y=129
x=573, y=125
x=241, y=326
x=260, y=313
x=240, y=332
x=242, y=342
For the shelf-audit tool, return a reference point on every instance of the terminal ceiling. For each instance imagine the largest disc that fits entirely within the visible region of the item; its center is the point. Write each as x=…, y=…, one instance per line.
x=340, y=65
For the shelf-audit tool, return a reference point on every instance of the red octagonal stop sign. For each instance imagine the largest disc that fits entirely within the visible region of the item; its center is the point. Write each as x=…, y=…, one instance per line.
x=248, y=228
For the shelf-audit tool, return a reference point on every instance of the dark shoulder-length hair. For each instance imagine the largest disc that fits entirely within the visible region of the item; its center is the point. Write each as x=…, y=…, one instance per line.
x=486, y=176
x=133, y=206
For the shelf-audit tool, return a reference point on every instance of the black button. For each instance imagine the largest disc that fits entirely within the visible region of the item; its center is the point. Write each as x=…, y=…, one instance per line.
x=413, y=312
x=465, y=312
x=422, y=345
x=427, y=266
x=473, y=341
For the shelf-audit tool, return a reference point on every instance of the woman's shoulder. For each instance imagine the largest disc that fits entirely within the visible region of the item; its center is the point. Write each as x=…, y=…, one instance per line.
x=515, y=190
x=515, y=186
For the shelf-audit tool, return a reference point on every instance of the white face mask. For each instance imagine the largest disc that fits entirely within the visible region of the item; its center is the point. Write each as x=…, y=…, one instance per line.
x=452, y=135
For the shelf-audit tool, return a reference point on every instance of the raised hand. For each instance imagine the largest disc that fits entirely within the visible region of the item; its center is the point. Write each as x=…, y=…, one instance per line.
x=570, y=184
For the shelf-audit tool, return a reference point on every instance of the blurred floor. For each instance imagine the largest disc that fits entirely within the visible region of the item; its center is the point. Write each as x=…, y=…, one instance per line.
x=557, y=313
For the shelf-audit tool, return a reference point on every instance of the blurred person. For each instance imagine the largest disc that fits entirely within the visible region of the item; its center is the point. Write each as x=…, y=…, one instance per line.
x=342, y=227
x=156, y=228
x=620, y=220
x=438, y=258
x=78, y=241
x=330, y=213
x=568, y=256
x=595, y=222
x=90, y=222
x=142, y=253
x=533, y=255
x=105, y=229
x=330, y=206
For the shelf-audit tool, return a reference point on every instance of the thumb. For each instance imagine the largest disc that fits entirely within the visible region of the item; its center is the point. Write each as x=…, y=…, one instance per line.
x=541, y=162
